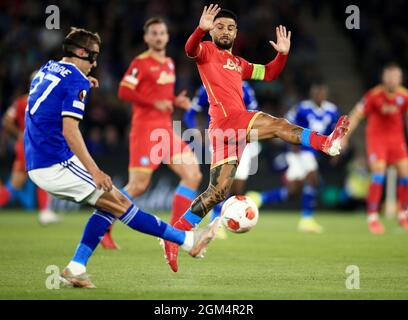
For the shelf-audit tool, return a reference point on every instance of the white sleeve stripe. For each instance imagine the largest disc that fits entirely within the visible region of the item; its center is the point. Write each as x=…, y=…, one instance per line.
x=72, y=114
x=131, y=79
x=79, y=105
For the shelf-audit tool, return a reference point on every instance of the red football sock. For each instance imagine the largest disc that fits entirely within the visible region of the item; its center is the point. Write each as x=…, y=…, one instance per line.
x=402, y=192
x=374, y=197
x=183, y=224
x=317, y=140
x=180, y=205
x=43, y=199
x=5, y=196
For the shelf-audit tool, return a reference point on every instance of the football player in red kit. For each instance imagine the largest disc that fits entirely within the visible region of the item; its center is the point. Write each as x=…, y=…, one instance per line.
x=13, y=122
x=231, y=125
x=149, y=85
x=385, y=107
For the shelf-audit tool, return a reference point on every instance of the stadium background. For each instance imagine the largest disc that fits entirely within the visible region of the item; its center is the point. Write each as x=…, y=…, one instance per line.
x=322, y=47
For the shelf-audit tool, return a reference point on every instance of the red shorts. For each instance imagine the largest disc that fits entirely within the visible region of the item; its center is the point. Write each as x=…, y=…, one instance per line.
x=151, y=145
x=228, y=136
x=390, y=152
x=19, y=161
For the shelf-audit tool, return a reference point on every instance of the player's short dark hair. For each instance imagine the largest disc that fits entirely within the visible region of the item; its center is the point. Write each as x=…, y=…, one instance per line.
x=153, y=20
x=81, y=37
x=225, y=13
x=391, y=65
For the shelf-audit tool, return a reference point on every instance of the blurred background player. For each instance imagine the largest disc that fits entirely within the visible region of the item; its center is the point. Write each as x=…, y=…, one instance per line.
x=385, y=107
x=149, y=85
x=200, y=105
x=13, y=122
x=319, y=115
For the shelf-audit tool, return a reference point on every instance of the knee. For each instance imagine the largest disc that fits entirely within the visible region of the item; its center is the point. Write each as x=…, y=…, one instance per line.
x=124, y=203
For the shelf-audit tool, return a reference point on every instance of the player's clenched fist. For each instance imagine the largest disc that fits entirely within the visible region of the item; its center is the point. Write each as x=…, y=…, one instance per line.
x=207, y=17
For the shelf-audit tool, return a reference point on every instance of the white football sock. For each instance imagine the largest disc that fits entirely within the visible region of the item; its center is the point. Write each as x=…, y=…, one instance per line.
x=76, y=268
x=188, y=241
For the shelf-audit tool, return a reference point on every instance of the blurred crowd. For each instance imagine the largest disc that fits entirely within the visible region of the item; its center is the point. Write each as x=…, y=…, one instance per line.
x=25, y=44
x=382, y=36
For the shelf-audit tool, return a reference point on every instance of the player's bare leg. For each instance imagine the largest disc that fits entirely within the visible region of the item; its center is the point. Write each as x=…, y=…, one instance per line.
x=221, y=179
x=402, y=169
x=187, y=168
x=378, y=169
x=266, y=126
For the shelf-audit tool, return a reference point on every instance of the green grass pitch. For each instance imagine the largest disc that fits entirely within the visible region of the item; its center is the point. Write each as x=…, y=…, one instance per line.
x=272, y=261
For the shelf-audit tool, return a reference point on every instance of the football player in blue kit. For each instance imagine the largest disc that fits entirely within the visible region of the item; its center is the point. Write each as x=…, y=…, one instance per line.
x=58, y=161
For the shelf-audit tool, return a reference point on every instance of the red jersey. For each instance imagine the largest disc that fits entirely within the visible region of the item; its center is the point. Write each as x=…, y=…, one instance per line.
x=17, y=111
x=149, y=80
x=222, y=73
x=385, y=113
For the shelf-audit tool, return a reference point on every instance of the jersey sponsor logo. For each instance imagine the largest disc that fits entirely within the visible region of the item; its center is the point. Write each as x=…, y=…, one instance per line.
x=231, y=65
x=389, y=108
x=154, y=68
x=166, y=78
x=82, y=95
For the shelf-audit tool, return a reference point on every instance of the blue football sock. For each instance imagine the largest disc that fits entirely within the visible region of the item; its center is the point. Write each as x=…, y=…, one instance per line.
x=144, y=222
x=13, y=191
x=192, y=218
x=216, y=211
x=275, y=195
x=96, y=227
x=309, y=200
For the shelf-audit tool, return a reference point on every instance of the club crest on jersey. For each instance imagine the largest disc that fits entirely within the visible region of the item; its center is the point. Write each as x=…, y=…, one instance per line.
x=231, y=65
x=399, y=100
x=170, y=65
x=166, y=78
x=144, y=161
x=82, y=95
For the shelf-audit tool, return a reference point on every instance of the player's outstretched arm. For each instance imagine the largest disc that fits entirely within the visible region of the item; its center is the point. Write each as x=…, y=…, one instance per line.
x=206, y=24
x=73, y=136
x=271, y=71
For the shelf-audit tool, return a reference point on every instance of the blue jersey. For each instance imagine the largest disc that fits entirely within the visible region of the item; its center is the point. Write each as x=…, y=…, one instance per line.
x=59, y=89
x=307, y=114
x=200, y=103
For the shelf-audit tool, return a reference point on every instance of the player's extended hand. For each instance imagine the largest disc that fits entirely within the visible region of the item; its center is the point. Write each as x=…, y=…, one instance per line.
x=182, y=101
x=207, y=17
x=102, y=180
x=94, y=82
x=164, y=105
x=282, y=44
